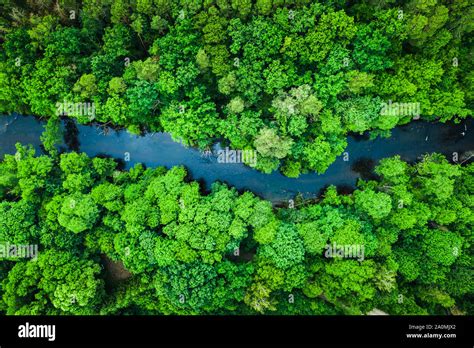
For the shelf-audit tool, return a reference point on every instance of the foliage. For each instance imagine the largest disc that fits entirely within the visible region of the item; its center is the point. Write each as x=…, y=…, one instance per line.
x=181, y=251
x=289, y=79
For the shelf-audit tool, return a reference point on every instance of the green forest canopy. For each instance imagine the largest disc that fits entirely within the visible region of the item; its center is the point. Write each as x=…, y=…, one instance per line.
x=221, y=252
x=288, y=78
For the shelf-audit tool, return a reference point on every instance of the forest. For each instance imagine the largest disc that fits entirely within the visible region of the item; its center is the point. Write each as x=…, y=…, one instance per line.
x=190, y=252
x=288, y=79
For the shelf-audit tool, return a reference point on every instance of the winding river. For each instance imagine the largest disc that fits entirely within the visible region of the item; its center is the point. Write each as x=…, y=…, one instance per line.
x=154, y=149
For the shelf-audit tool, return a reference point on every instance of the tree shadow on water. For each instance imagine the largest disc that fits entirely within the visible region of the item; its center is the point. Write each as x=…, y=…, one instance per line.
x=71, y=135
x=365, y=168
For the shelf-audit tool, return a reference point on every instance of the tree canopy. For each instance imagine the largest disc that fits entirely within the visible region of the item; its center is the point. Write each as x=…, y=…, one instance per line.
x=289, y=79
x=406, y=247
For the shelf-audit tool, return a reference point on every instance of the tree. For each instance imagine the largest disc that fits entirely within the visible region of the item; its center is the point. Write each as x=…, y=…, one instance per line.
x=52, y=135
x=72, y=283
x=86, y=86
x=57, y=281
x=376, y=204
x=268, y=143
x=349, y=281
x=236, y=105
x=17, y=221
x=285, y=250
x=78, y=213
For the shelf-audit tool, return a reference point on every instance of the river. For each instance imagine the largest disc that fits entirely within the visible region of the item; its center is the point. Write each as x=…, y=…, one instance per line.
x=158, y=149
